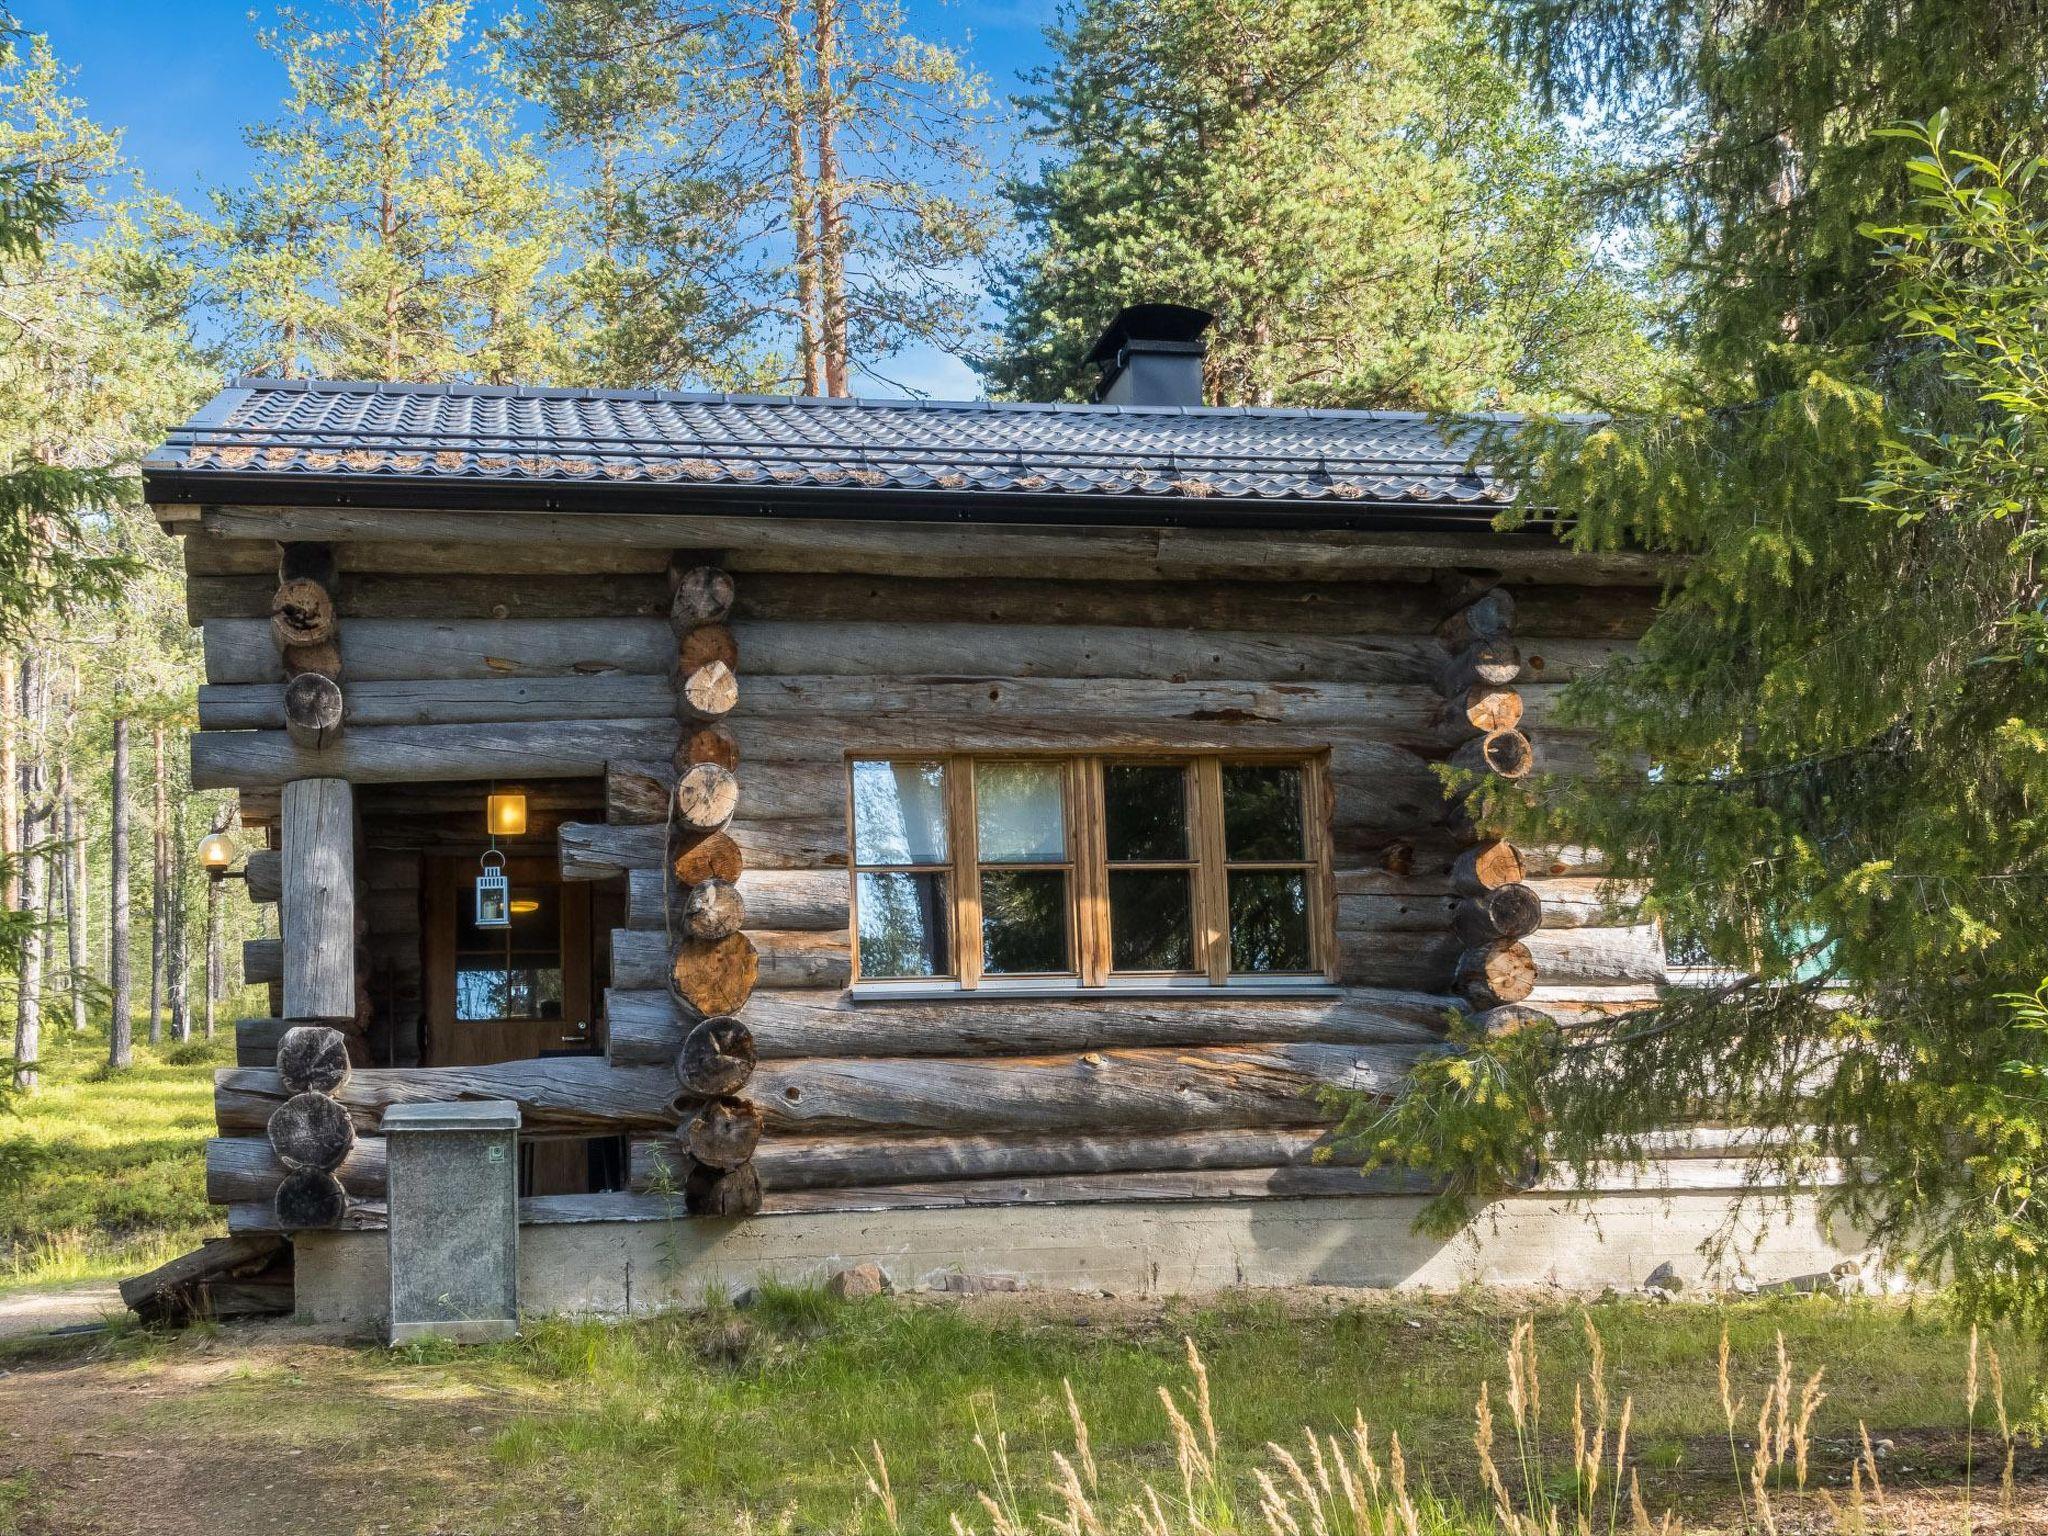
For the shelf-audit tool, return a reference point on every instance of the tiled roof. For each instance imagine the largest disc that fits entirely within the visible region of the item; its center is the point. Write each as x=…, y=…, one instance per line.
x=486, y=436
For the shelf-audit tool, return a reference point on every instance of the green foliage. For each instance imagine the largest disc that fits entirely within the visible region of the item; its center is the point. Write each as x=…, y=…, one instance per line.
x=1846, y=706
x=1357, y=190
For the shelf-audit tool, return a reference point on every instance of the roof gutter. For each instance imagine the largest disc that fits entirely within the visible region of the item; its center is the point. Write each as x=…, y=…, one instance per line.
x=166, y=485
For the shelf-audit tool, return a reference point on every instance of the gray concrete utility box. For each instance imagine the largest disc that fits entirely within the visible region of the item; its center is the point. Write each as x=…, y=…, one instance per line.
x=454, y=1203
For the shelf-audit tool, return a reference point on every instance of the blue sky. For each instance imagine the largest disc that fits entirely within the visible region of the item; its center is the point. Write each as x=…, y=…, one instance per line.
x=182, y=78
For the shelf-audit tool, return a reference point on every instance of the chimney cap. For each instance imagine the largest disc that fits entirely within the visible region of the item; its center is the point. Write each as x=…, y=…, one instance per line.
x=1176, y=326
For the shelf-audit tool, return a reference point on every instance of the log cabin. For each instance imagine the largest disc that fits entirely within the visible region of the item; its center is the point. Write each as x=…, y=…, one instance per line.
x=965, y=837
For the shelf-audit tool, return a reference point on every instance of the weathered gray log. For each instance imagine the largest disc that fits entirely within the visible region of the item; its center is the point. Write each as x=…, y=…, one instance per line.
x=722, y=1133
x=245, y=1168
x=311, y=1130
x=771, y=898
x=707, y=693
x=1586, y=903
x=557, y=1096
x=1509, y=1018
x=262, y=961
x=1504, y=754
x=217, y=550
x=312, y=1058
x=637, y=794
x=706, y=797
x=717, y=1058
x=1496, y=974
x=322, y=660
x=256, y=1041
x=709, y=1191
x=318, y=903
x=942, y=548
x=1505, y=912
x=308, y=1199
x=421, y=753
x=1178, y=1187
x=264, y=872
x=1138, y=1089
x=641, y=958
x=702, y=595
x=242, y=650
x=1493, y=662
x=481, y=701
x=1490, y=616
x=1598, y=956
x=313, y=711
x=417, y=594
x=713, y=910
x=1486, y=866
x=301, y=614
x=647, y=1028
x=833, y=1162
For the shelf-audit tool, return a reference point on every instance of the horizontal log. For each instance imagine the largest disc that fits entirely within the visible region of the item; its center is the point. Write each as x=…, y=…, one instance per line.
x=313, y=711
x=597, y=851
x=1404, y=605
x=423, y=596
x=1598, y=956
x=1214, y=1184
x=461, y=701
x=213, y=552
x=263, y=873
x=402, y=754
x=1584, y=902
x=246, y=1168
x=836, y=1162
x=262, y=961
x=937, y=548
x=775, y=898
x=647, y=1027
x=1140, y=1089
x=381, y=650
x=558, y=1096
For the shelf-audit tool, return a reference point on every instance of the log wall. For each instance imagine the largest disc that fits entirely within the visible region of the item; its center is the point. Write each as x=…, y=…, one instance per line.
x=471, y=655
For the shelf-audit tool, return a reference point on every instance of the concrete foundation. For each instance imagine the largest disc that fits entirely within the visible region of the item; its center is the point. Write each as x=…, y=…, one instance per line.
x=1577, y=1243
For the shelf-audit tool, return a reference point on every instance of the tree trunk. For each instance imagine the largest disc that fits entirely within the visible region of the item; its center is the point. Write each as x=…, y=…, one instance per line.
x=28, y=1016
x=120, y=970
x=159, y=877
x=829, y=193
x=75, y=895
x=795, y=117
x=10, y=782
x=177, y=947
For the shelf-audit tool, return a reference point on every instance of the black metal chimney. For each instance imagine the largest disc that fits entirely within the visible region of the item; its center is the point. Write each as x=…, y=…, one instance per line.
x=1152, y=355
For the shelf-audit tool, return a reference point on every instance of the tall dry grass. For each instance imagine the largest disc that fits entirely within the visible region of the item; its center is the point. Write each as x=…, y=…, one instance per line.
x=1354, y=1483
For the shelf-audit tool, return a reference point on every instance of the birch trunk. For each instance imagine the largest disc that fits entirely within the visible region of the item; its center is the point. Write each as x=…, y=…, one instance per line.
x=10, y=781
x=120, y=968
x=75, y=895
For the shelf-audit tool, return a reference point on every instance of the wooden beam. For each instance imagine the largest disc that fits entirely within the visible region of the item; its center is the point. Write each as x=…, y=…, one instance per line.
x=386, y=650
x=647, y=1027
x=613, y=696
x=787, y=958
x=407, y=754
x=319, y=905
x=419, y=595
x=813, y=899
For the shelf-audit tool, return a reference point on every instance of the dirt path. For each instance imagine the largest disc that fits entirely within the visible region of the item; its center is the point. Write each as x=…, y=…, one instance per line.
x=24, y=1313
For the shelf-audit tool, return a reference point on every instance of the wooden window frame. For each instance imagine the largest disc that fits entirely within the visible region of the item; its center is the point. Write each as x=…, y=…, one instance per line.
x=1088, y=867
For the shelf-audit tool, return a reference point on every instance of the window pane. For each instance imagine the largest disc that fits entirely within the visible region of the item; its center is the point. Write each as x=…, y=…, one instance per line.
x=1261, y=811
x=899, y=813
x=904, y=924
x=1151, y=920
x=523, y=992
x=1021, y=813
x=1268, y=920
x=1023, y=921
x=1145, y=811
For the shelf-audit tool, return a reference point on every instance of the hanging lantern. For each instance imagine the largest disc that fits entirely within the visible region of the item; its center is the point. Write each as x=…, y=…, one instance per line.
x=493, y=893
x=506, y=815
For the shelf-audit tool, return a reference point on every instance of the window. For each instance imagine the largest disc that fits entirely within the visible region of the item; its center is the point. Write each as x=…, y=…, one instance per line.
x=986, y=872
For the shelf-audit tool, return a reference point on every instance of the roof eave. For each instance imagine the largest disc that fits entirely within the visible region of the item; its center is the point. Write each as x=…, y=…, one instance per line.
x=169, y=484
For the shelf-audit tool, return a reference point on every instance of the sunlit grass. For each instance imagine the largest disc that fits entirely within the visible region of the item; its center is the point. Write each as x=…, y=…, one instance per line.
x=102, y=1174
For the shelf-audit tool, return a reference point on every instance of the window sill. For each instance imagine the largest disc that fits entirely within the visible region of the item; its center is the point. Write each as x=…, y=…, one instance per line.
x=1133, y=991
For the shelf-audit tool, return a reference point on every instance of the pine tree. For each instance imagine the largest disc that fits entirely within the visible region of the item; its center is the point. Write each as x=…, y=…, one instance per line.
x=808, y=176
x=1840, y=703
x=1357, y=189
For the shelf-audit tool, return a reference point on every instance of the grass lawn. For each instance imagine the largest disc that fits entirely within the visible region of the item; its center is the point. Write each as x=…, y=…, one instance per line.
x=102, y=1174
x=760, y=1419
